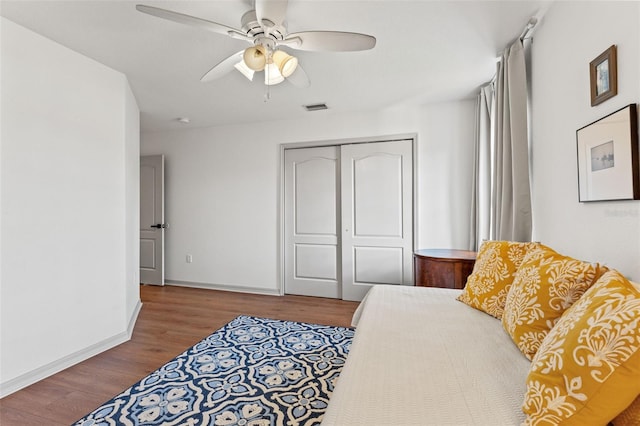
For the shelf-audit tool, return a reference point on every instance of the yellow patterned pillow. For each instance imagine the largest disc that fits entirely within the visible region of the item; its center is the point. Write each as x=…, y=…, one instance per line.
x=545, y=285
x=631, y=415
x=587, y=369
x=492, y=275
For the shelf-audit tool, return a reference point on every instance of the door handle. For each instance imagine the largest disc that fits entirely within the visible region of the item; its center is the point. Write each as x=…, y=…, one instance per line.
x=159, y=226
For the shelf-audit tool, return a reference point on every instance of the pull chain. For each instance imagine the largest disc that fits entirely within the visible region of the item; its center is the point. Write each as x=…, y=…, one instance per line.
x=267, y=68
x=267, y=90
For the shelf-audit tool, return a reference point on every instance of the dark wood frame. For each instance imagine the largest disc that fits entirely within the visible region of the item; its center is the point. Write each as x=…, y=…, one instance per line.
x=610, y=55
x=635, y=154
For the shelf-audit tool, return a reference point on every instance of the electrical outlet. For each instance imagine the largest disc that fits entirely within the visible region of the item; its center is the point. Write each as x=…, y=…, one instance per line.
x=189, y=258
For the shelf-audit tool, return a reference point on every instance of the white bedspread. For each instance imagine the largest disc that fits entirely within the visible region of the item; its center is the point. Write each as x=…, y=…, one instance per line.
x=419, y=357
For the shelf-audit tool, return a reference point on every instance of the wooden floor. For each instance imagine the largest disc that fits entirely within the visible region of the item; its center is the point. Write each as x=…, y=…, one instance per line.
x=172, y=319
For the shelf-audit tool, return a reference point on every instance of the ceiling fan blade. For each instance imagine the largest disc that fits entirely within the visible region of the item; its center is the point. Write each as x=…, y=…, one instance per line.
x=271, y=10
x=329, y=41
x=299, y=78
x=223, y=67
x=192, y=21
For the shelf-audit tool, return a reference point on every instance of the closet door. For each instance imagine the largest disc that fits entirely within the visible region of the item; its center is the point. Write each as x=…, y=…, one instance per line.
x=377, y=222
x=311, y=222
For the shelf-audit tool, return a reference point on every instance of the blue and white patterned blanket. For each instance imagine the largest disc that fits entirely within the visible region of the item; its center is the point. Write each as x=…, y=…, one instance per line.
x=253, y=371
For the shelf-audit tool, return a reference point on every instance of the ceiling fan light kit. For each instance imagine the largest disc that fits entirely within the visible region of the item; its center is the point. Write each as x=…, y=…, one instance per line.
x=255, y=58
x=286, y=63
x=277, y=64
x=265, y=28
x=245, y=70
x=272, y=76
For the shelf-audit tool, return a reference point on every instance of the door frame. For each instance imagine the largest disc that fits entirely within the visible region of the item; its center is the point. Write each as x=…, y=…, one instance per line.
x=337, y=142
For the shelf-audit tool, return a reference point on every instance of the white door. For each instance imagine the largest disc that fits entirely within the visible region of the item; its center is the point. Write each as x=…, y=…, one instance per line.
x=311, y=215
x=377, y=218
x=365, y=191
x=152, y=219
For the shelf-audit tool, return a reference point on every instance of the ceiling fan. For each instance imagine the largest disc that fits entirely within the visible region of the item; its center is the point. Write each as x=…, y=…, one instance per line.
x=265, y=28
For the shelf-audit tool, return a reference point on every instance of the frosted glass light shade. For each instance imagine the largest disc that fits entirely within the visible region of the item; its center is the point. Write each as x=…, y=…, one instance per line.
x=286, y=63
x=245, y=70
x=272, y=75
x=255, y=57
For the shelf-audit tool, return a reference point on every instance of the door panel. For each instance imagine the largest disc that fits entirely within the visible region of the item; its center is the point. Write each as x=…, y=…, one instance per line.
x=315, y=196
x=147, y=253
x=152, y=214
x=316, y=261
x=377, y=220
x=377, y=265
x=311, y=216
x=374, y=178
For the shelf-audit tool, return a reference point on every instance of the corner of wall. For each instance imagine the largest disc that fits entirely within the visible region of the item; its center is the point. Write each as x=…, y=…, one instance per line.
x=132, y=199
x=75, y=302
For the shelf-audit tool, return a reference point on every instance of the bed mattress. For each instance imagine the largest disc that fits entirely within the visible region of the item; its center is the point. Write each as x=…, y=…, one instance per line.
x=419, y=357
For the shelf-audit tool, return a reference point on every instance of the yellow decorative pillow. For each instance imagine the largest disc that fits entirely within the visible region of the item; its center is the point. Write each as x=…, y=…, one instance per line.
x=492, y=275
x=631, y=415
x=545, y=285
x=587, y=369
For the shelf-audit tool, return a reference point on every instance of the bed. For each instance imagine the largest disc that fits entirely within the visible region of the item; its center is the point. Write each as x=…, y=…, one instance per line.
x=436, y=361
x=421, y=357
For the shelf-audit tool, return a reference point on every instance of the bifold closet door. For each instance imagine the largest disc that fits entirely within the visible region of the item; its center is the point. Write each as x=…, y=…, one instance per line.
x=311, y=222
x=377, y=216
x=348, y=218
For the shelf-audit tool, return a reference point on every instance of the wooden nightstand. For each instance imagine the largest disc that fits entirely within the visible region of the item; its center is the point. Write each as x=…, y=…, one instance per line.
x=443, y=268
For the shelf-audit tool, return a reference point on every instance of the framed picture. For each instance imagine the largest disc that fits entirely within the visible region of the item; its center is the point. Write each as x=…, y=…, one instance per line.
x=603, y=72
x=608, y=158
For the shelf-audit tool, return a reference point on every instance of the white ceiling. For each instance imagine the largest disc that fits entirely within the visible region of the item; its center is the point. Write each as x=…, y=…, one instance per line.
x=426, y=51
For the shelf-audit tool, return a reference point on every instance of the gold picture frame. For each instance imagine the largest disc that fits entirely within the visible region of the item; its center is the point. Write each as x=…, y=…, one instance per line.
x=603, y=73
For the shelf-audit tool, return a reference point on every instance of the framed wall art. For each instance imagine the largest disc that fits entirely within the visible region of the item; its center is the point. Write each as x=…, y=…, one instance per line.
x=608, y=158
x=603, y=73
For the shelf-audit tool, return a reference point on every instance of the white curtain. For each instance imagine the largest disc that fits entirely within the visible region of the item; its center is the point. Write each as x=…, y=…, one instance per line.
x=481, y=186
x=511, y=212
x=503, y=211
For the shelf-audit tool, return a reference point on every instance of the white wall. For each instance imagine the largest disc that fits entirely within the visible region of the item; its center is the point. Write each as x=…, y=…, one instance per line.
x=222, y=187
x=446, y=159
x=69, y=153
x=571, y=35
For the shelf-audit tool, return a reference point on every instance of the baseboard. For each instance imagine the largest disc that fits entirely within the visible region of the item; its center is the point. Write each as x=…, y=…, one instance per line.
x=223, y=287
x=27, y=379
x=133, y=319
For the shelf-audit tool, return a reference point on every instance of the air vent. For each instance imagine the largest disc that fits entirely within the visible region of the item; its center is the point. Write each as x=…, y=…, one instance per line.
x=316, y=107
